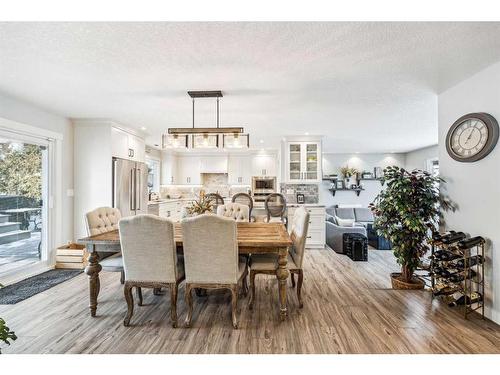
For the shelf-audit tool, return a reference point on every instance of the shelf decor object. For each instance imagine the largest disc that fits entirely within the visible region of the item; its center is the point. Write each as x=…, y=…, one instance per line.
x=457, y=270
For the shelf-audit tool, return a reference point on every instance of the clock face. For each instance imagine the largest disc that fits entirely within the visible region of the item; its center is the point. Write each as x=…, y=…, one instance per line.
x=472, y=137
x=469, y=138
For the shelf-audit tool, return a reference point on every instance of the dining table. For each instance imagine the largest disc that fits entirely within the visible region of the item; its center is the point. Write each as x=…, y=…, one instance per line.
x=253, y=238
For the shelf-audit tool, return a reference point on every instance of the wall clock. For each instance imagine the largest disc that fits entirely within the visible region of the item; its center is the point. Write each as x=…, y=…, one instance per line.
x=472, y=137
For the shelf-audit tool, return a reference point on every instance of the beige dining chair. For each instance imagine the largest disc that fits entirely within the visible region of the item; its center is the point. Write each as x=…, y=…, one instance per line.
x=150, y=259
x=102, y=220
x=211, y=258
x=247, y=200
x=275, y=205
x=235, y=211
x=268, y=263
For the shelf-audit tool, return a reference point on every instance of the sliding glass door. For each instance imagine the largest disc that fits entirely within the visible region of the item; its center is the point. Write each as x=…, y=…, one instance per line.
x=23, y=203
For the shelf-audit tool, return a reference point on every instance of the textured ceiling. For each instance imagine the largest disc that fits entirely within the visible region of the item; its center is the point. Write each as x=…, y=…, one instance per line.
x=368, y=87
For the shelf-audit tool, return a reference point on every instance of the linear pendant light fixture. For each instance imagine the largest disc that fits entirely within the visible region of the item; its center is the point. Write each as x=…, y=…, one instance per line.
x=217, y=130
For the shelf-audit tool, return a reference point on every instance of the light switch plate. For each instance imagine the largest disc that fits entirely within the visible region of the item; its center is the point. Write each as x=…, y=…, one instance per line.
x=70, y=193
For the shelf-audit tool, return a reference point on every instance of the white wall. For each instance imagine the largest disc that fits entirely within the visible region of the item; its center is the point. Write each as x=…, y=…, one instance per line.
x=22, y=112
x=362, y=162
x=417, y=159
x=475, y=187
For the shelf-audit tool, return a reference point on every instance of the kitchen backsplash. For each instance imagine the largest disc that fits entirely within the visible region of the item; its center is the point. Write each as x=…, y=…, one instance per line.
x=310, y=191
x=210, y=180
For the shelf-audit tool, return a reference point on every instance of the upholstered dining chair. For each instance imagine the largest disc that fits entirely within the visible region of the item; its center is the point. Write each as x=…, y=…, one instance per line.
x=216, y=199
x=211, y=258
x=102, y=220
x=267, y=263
x=236, y=211
x=150, y=259
x=275, y=205
x=246, y=199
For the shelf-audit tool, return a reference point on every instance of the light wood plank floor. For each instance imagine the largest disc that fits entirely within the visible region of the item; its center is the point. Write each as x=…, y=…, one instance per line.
x=349, y=308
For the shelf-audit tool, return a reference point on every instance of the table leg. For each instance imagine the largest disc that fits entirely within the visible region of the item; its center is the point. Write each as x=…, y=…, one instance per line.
x=92, y=270
x=282, y=275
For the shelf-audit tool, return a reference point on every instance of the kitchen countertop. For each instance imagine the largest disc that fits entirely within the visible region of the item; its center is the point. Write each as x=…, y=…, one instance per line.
x=305, y=205
x=171, y=200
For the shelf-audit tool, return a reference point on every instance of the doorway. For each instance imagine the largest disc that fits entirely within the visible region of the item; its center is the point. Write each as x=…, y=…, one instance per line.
x=24, y=187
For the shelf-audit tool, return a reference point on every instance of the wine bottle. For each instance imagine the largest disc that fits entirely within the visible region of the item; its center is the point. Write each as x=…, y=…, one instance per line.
x=470, y=242
x=469, y=262
x=444, y=256
x=466, y=300
x=459, y=276
x=438, y=237
x=452, y=238
x=444, y=289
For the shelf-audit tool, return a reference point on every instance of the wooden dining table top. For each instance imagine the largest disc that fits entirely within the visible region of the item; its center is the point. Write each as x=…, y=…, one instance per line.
x=252, y=237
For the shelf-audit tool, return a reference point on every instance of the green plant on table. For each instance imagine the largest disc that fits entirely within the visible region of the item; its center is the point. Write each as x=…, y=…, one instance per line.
x=5, y=333
x=406, y=212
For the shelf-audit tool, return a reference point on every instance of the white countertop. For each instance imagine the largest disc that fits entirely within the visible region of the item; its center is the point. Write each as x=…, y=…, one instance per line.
x=305, y=205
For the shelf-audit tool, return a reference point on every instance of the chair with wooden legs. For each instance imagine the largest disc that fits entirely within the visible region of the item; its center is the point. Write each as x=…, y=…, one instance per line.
x=268, y=263
x=102, y=220
x=246, y=199
x=275, y=205
x=211, y=258
x=150, y=259
x=216, y=199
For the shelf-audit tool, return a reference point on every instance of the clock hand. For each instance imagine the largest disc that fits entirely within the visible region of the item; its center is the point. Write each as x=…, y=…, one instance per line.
x=470, y=135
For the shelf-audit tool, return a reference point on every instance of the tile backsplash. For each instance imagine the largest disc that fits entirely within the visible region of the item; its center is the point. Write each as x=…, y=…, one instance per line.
x=310, y=191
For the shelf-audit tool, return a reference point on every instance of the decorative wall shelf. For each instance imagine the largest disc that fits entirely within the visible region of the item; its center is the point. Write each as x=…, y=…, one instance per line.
x=357, y=191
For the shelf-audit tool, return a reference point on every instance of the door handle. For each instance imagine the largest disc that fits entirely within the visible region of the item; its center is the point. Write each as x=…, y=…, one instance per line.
x=140, y=187
x=131, y=191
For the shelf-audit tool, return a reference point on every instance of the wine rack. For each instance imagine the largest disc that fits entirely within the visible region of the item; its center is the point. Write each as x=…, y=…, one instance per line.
x=457, y=270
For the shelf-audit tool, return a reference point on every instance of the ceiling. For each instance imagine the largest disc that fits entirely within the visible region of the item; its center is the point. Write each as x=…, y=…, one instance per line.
x=366, y=87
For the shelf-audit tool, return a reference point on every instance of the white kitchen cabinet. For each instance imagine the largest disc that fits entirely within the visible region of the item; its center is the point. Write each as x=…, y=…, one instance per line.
x=168, y=168
x=264, y=165
x=316, y=233
x=188, y=170
x=303, y=162
x=127, y=146
x=239, y=170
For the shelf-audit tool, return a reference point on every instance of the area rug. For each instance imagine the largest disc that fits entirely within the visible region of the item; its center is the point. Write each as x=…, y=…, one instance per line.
x=14, y=293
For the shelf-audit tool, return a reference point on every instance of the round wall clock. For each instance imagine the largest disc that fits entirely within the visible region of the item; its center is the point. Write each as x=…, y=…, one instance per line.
x=472, y=137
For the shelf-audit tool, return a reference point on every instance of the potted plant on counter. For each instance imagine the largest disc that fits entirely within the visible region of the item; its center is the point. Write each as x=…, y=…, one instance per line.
x=406, y=212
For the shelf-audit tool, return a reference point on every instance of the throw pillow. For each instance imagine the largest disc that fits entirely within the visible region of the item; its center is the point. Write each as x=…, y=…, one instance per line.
x=344, y=222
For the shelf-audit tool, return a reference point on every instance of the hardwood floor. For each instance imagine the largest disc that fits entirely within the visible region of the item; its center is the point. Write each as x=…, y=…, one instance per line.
x=348, y=308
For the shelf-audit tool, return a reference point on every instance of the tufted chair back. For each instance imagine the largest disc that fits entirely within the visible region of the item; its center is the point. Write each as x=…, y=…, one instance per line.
x=148, y=248
x=299, y=235
x=102, y=220
x=210, y=249
x=236, y=211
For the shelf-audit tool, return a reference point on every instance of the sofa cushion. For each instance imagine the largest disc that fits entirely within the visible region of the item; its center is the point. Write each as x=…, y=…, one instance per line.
x=363, y=215
x=344, y=222
x=331, y=219
x=345, y=213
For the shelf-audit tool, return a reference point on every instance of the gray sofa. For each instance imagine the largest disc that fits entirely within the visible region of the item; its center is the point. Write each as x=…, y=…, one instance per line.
x=334, y=232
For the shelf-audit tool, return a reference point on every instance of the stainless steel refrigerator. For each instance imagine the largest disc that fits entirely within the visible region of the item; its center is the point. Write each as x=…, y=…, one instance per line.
x=130, y=187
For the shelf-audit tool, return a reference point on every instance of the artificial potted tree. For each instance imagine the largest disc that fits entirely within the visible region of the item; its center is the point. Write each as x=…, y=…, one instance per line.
x=406, y=212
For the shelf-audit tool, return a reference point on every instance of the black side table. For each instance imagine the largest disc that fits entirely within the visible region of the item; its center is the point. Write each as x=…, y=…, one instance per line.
x=376, y=241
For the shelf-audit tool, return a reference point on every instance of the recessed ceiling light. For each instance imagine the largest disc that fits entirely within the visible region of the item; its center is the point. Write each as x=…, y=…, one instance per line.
x=307, y=133
x=261, y=141
x=143, y=128
x=357, y=152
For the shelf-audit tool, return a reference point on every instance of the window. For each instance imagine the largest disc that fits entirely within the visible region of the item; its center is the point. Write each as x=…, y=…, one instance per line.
x=153, y=175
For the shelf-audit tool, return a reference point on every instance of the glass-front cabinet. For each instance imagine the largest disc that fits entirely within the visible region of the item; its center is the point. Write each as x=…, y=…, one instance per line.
x=304, y=162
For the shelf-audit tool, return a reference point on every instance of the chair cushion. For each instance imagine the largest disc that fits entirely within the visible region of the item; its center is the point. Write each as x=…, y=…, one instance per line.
x=273, y=220
x=269, y=262
x=236, y=211
x=331, y=219
x=344, y=222
x=102, y=220
x=363, y=215
x=114, y=263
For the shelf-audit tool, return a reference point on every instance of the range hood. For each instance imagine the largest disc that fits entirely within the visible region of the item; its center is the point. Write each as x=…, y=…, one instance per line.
x=213, y=164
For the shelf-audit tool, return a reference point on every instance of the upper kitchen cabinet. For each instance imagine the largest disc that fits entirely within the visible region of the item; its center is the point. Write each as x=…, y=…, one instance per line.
x=239, y=170
x=303, y=162
x=213, y=164
x=168, y=168
x=188, y=170
x=126, y=145
x=264, y=164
